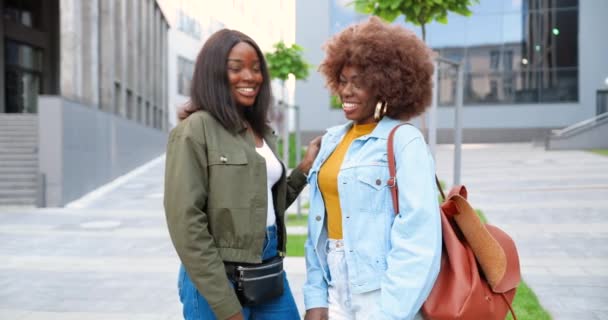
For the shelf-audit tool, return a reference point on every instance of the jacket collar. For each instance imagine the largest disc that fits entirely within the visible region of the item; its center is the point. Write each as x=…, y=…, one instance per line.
x=381, y=131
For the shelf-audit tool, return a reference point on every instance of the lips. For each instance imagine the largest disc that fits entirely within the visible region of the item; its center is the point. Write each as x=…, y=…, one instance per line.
x=349, y=106
x=247, y=91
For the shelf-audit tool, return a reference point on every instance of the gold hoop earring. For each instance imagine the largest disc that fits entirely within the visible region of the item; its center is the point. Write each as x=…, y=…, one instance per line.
x=378, y=111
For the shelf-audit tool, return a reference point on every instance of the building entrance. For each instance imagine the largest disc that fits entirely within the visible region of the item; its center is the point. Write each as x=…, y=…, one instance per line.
x=22, y=73
x=602, y=102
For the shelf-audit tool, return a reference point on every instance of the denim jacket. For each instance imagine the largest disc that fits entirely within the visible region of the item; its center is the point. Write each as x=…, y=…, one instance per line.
x=399, y=254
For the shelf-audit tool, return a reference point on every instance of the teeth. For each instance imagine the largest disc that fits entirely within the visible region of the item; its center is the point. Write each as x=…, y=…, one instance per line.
x=347, y=105
x=245, y=89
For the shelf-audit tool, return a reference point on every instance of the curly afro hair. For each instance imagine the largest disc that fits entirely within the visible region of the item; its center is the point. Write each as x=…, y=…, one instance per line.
x=395, y=64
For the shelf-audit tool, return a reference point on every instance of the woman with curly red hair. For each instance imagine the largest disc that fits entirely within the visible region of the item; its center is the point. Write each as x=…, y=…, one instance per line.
x=362, y=260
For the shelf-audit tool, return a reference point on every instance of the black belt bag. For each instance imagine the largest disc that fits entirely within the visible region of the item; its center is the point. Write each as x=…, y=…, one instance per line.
x=257, y=283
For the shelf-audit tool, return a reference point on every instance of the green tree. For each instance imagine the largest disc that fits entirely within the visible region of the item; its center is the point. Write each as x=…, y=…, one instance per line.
x=282, y=62
x=285, y=61
x=417, y=12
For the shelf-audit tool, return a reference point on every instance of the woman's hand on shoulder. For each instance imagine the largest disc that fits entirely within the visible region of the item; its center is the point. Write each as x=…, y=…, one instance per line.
x=185, y=111
x=316, y=314
x=311, y=154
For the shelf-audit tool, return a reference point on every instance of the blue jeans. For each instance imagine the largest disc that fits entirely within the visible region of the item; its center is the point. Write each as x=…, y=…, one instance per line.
x=195, y=307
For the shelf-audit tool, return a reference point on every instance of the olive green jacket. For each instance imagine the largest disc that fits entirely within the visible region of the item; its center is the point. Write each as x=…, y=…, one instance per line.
x=215, y=203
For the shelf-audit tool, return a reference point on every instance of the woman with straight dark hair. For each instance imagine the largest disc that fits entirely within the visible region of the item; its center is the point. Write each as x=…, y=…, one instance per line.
x=226, y=191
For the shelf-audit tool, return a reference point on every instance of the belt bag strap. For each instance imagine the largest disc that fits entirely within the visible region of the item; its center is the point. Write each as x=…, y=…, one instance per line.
x=255, y=284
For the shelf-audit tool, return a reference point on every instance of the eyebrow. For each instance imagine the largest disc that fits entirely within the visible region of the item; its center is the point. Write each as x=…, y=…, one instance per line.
x=345, y=77
x=239, y=60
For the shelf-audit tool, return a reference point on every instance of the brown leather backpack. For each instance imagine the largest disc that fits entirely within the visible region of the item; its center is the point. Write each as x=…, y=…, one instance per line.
x=479, y=262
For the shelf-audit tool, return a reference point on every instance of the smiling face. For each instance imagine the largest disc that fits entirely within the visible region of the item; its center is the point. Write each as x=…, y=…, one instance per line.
x=357, y=101
x=244, y=74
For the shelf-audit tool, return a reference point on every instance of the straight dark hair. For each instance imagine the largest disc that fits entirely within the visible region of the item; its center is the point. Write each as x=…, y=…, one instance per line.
x=210, y=88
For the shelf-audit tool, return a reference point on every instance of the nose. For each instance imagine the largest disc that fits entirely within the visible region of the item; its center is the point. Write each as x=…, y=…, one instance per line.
x=247, y=74
x=346, y=90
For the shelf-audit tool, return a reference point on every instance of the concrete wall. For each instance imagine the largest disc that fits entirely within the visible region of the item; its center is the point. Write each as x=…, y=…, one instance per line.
x=180, y=44
x=498, y=122
x=82, y=148
x=113, y=57
x=591, y=138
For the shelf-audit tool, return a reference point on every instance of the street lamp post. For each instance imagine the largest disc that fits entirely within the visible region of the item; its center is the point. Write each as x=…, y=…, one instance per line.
x=457, y=114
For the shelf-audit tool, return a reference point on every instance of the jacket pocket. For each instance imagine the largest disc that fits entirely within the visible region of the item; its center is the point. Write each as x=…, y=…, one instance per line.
x=231, y=179
x=227, y=157
x=372, y=188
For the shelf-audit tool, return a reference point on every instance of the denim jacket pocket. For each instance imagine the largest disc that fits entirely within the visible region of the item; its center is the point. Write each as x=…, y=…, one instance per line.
x=372, y=187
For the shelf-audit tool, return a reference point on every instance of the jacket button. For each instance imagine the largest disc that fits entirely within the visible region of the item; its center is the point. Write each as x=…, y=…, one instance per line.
x=318, y=218
x=378, y=182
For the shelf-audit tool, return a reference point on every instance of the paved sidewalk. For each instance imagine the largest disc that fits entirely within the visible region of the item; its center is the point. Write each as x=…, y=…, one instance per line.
x=108, y=259
x=112, y=259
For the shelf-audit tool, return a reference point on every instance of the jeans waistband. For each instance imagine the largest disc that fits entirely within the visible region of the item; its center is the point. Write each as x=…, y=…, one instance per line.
x=271, y=231
x=334, y=245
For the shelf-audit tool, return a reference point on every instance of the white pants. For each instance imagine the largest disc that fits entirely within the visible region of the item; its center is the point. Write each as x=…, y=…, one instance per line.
x=344, y=305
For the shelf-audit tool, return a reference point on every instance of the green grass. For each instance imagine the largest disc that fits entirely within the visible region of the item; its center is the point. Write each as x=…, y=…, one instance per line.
x=526, y=305
x=482, y=217
x=295, y=245
x=603, y=152
x=294, y=221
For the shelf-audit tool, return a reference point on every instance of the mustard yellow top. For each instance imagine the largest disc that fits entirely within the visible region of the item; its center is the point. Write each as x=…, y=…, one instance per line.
x=328, y=178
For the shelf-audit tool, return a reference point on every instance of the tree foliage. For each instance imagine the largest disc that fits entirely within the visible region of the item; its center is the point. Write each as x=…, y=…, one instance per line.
x=285, y=61
x=417, y=12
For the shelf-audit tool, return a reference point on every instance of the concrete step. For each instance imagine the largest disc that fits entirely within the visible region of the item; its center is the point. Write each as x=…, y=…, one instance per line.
x=20, y=133
x=15, y=123
x=25, y=116
x=17, y=185
x=18, y=156
x=30, y=163
x=18, y=170
x=19, y=177
x=17, y=193
x=5, y=125
x=18, y=143
x=21, y=201
x=9, y=138
x=17, y=149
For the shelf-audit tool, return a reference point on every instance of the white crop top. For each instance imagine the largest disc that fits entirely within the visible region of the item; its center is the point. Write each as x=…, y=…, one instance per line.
x=273, y=174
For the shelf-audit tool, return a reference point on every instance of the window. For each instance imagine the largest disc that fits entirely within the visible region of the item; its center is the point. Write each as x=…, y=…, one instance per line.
x=22, y=74
x=117, y=96
x=185, y=69
x=188, y=25
x=507, y=60
x=140, y=110
x=130, y=111
x=24, y=12
x=494, y=59
x=148, y=116
x=515, y=52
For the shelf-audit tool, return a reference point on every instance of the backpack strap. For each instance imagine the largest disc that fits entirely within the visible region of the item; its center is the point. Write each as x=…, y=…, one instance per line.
x=504, y=297
x=392, y=170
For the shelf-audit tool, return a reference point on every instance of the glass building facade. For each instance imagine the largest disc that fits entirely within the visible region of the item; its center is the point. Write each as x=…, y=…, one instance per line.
x=514, y=51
